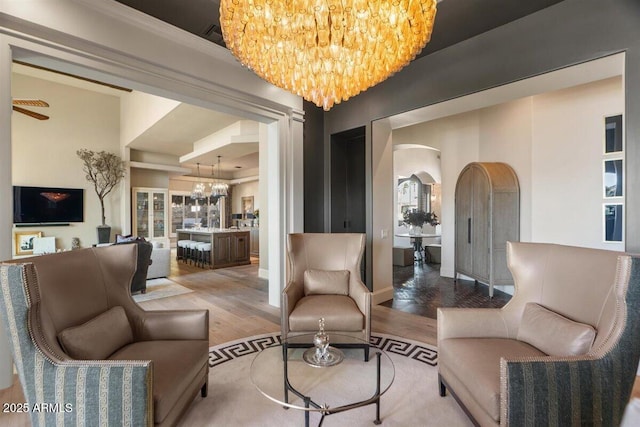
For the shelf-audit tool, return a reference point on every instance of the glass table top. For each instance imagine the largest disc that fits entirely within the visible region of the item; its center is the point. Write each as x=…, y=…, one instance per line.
x=352, y=382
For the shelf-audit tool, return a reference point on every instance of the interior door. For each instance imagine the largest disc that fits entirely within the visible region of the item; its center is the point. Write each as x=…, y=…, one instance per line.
x=348, y=182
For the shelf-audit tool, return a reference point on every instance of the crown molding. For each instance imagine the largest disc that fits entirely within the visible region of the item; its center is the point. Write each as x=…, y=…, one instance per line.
x=160, y=28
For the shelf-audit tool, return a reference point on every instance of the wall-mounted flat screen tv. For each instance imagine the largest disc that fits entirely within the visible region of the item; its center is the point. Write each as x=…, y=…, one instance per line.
x=46, y=205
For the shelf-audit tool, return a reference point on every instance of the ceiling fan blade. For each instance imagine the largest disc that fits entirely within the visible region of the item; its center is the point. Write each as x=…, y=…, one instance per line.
x=30, y=102
x=30, y=113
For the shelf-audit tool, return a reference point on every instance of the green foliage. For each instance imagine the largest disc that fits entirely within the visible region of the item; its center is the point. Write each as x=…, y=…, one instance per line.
x=419, y=217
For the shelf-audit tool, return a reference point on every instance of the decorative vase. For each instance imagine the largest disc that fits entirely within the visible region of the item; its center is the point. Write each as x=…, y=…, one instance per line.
x=321, y=341
x=104, y=233
x=415, y=230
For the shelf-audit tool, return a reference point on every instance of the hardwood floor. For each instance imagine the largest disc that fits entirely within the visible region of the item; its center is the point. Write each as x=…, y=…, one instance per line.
x=237, y=300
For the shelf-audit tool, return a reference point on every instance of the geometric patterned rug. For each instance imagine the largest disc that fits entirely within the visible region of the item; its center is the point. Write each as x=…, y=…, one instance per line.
x=417, y=351
x=412, y=399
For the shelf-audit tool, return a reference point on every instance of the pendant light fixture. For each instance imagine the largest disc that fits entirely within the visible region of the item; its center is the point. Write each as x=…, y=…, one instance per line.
x=218, y=188
x=326, y=50
x=197, y=192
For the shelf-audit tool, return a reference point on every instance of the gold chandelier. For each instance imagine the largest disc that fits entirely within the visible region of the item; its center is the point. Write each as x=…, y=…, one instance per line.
x=326, y=50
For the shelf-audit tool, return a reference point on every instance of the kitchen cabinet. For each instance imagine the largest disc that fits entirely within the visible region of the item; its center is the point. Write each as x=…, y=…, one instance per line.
x=254, y=236
x=228, y=247
x=150, y=214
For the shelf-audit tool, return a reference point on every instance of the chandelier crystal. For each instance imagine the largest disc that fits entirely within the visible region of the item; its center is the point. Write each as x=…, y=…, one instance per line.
x=218, y=188
x=197, y=191
x=326, y=50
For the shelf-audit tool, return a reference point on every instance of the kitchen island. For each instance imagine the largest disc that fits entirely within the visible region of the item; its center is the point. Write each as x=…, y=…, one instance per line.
x=228, y=247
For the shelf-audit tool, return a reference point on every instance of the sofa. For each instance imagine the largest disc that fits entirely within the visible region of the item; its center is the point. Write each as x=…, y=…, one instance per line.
x=160, y=262
x=80, y=341
x=563, y=351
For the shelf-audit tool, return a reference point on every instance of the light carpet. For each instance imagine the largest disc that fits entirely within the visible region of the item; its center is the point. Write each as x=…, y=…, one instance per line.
x=412, y=400
x=161, y=288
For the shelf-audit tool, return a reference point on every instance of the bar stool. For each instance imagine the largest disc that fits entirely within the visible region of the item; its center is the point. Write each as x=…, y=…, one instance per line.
x=182, y=250
x=192, y=254
x=204, y=254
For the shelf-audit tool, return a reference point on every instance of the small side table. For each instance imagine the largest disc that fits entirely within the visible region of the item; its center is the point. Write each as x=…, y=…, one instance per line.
x=416, y=241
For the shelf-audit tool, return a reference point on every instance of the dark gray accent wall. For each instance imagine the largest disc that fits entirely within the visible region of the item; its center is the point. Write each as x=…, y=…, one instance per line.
x=313, y=129
x=568, y=33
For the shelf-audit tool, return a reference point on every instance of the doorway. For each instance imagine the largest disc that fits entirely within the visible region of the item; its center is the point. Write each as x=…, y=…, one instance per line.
x=348, y=181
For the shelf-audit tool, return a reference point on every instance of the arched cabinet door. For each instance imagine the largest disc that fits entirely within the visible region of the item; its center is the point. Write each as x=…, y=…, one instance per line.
x=487, y=215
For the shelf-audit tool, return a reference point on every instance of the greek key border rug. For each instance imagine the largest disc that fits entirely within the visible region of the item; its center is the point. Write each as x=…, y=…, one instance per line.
x=412, y=400
x=415, y=350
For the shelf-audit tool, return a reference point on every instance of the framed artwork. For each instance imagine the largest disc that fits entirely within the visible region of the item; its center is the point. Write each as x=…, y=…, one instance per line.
x=613, y=134
x=613, y=213
x=24, y=241
x=613, y=173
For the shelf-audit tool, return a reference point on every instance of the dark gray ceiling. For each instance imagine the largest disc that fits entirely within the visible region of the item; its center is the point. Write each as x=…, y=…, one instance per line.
x=456, y=20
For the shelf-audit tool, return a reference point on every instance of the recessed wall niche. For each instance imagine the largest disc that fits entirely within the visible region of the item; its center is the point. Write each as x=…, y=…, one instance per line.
x=613, y=180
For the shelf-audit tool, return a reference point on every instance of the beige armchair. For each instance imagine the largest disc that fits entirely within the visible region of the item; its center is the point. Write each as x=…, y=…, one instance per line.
x=324, y=282
x=80, y=342
x=563, y=351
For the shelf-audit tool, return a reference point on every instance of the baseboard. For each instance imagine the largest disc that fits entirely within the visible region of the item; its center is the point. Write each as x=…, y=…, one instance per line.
x=382, y=295
x=263, y=273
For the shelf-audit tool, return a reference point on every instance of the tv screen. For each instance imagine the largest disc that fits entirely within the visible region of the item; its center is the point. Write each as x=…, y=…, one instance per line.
x=41, y=205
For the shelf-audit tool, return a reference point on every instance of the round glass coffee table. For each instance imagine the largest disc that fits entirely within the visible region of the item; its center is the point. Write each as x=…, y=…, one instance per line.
x=294, y=383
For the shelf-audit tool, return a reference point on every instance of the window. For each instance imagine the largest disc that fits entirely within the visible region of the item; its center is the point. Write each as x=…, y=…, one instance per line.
x=413, y=195
x=189, y=213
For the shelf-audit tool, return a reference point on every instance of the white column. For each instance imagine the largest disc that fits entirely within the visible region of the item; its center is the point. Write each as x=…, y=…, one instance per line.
x=6, y=194
x=263, y=189
x=276, y=211
x=295, y=160
x=382, y=208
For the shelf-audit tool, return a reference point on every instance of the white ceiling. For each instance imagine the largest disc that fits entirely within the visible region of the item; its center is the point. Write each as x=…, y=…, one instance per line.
x=176, y=132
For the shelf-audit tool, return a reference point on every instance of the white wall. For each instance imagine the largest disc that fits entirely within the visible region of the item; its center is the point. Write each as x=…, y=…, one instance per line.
x=568, y=147
x=44, y=152
x=149, y=178
x=553, y=141
x=140, y=111
x=506, y=136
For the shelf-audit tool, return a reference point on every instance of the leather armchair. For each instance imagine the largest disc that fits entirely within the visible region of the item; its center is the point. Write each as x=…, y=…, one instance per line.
x=563, y=351
x=61, y=309
x=324, y=281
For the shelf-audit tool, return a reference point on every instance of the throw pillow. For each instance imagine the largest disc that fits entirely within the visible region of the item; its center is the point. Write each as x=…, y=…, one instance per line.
x=122, y=239
x=323, y=282
x=554, y=334
x=98, y=338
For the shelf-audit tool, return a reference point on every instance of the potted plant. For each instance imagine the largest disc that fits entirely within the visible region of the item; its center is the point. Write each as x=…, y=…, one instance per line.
x=104, y=170
x=417, y=218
